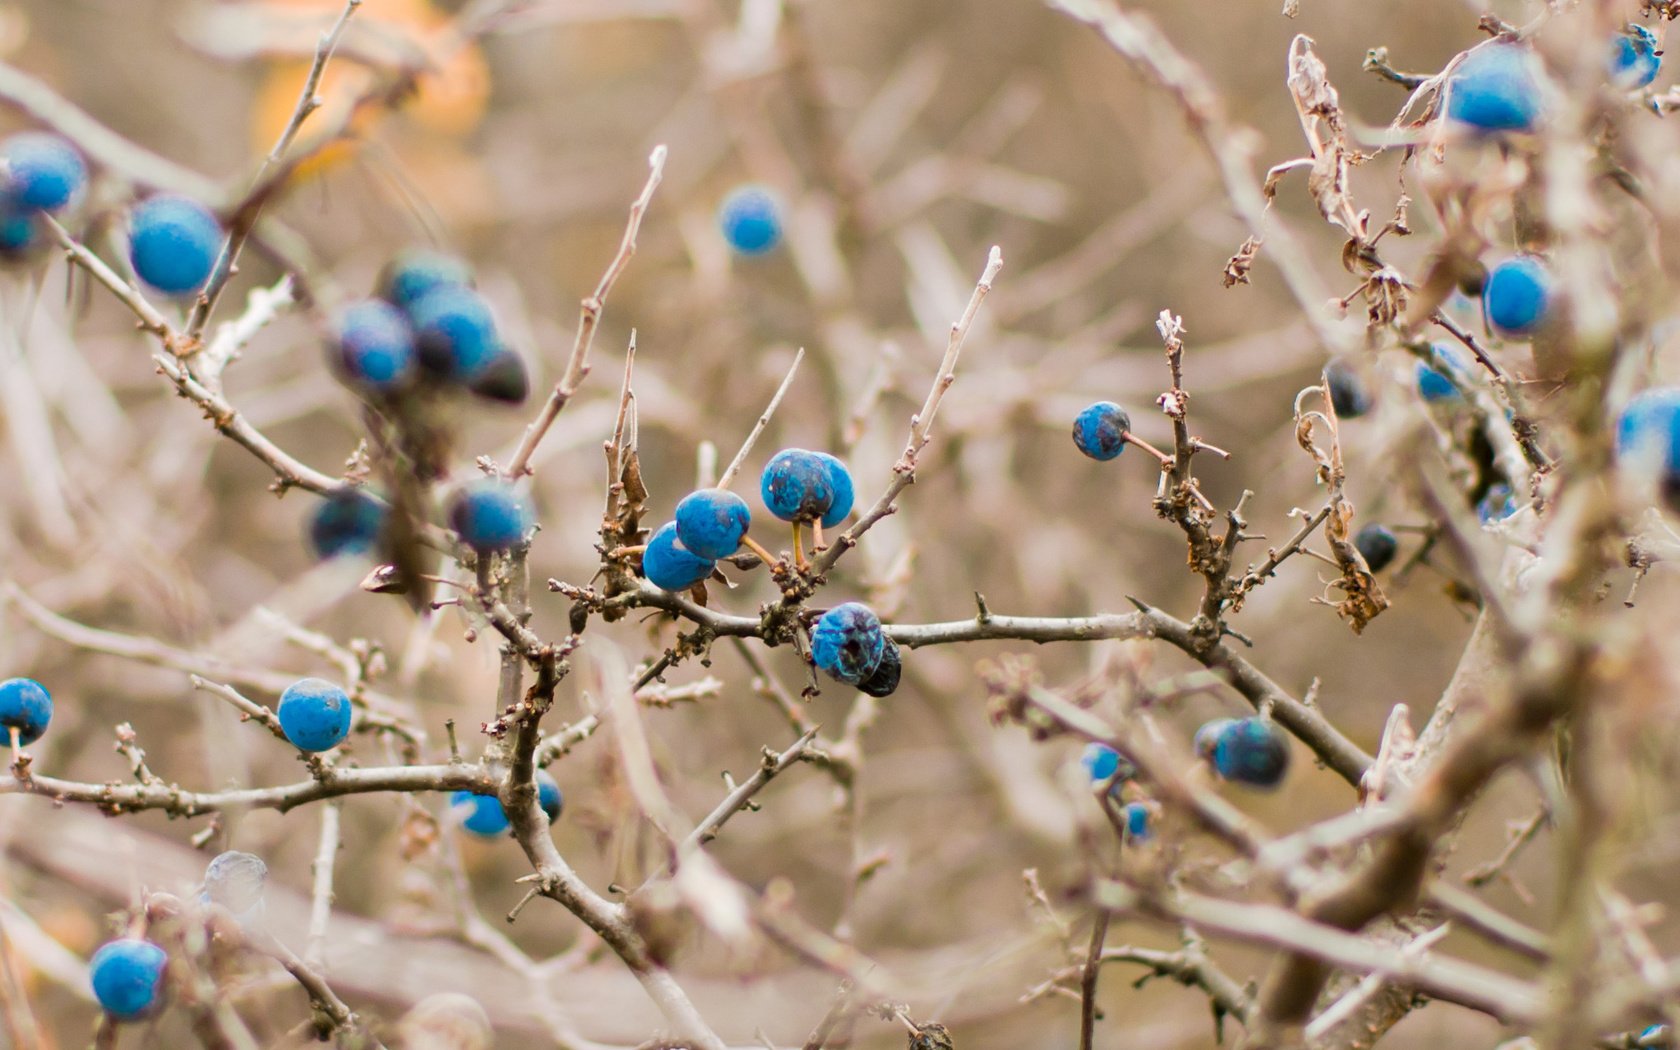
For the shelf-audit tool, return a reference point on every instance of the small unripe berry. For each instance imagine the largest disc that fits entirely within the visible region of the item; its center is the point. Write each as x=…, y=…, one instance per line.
x=410, y=275
x=1648, y=433
x=127, y=976
x=374, y=346
x=454, y=333
x=847, y=642
x=489, y=515
x=883, y=681
x=347, y=521
x=1100, y=430
x=751, y=220
x=711, y=522
x=1251, y=751
x=840, y=487
x=1104, y=763
x=1496, y=88
x=1348, y=395
x=26, y=706
x=1634, y=59
x=173, y=243
x=797, y=486
x=669, y=565
x=1377, y=545
x=1518, y=295
x=314, y=714
x=40, y=170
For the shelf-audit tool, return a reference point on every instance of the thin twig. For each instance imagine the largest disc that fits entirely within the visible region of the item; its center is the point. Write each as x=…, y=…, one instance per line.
x=735, y=464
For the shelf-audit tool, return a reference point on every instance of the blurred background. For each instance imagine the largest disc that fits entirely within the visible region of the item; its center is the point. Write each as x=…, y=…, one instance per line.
x=905, y=138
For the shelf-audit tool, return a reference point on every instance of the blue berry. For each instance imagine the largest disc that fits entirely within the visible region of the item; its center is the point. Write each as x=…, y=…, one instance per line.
x=1435, y=383
x=26, y=706
x=670, y=566
x=408, y=277
x=484, y=815
x=1137, y=818
x=1348, y=395
x=173, y=243
x=840, y=485
x=1518, y=295
x=1100, y=430
x=1207, y=737
x=455, y=332
x=1103, y=763
x=21, y=232
x=1377, y=545
x=1648, y=432
x=314, y=714
x=1633, y=58
x=847, y=642
x=711, y=522
x=1251, y=751
x=883, y=681
x=236, y=881
x=548, y=795
x=40, y=170
x=751, y=220
x=347, y=521
x=1498, y=504
x=504, y=379
x=490, y=515
x=128, y=977
x=375, y=345
x=796, y=486
x=1496, y=88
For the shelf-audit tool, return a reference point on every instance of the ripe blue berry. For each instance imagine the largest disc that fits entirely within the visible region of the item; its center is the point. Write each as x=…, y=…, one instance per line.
x=40, y=170
x=1348, y=395
x=883, y=681
x=1377, y=545
x=669, y=565
x=314, y=714
x=408, y=277
x=711, y=522
x=236, y=881
x=1633, y=58
x=1137, y=818
x=172, y=243
x=796, y=486
x=128, y=977
x=454, y=332
x=840, y=485
x=1100, y=430
x=1496, y=88
x=374, y=346
x=1648, y=433
x=505, y=379
x=1251, y=751
x=490, y=515
x=751, y=220
x=347, y=521
x=1435, y=383
x=847, y=642
x=1498, y=504
x=1518, y=295
x=26, y=706
x=484, y=815
x=1104, y=763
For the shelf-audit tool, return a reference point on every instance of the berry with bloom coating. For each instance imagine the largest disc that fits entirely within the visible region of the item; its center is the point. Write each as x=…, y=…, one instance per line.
x=1496, y=88
x=1518, y=295
x=847, y=642
x=1104, y=763
x=454, y=332
x=670, y=566
x=172, y=243
x=484, y=815
x=1648, y=432
x=1251, y=751
x=711, y=522
x=489, y=515
x=1633, y=59
x=347, y=521
x=1100, y=430
x=409, y=276
x=374, y=346
x=1435, y=383
x=751, y=220
x=796, y=486
x=314, y=714
x=40, y=170
x=840, y=485
x=883, y=681
x=1377, y=545
x=26, y=706
x=1348, y=395
x=127, y=977
x=1136, y=816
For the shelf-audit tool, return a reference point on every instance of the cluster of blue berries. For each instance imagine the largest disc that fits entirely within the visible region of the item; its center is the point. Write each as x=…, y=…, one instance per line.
x=314, y=714
x=1105, y=765
x=751, y=220
x=426, y=324
x=127, y=976
x=40, y=174
x=849, y=645
x=1251, y=751
x=25, y=709
x=804, y=487
x=484, y=816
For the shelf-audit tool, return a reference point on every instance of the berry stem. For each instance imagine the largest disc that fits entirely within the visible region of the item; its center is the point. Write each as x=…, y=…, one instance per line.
x=817, y=543
x=758, y=549
x=798, y=548
x=1132, y=439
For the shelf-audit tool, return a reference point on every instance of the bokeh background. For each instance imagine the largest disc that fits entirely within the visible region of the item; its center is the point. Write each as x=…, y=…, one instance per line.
x=919, y=132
